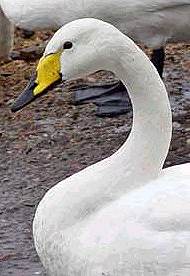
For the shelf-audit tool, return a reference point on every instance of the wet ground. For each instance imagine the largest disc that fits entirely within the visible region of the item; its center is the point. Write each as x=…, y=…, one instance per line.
x=52, y=139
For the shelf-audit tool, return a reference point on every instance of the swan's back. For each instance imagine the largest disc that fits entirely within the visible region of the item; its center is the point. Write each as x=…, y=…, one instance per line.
x=153, y=23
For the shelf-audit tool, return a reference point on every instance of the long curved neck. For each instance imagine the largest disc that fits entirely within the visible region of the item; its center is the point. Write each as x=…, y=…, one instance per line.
x=139, y=160
x=147, y=145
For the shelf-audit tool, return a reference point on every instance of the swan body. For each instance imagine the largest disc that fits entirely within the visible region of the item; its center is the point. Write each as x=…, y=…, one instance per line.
x=153, y=23
x=125, y=215
x=145, y=232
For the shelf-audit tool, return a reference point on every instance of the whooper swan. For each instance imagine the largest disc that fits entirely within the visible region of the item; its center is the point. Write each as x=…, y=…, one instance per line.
x=125, y=215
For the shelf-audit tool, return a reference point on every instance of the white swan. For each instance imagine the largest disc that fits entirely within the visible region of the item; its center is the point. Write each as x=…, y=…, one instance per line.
x=125, y=215
x=153, y=23
x=150, y=22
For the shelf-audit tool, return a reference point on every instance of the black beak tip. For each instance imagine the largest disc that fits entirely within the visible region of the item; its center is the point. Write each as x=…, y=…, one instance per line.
x=26, y=96
x=14, y=108
x=24, y=99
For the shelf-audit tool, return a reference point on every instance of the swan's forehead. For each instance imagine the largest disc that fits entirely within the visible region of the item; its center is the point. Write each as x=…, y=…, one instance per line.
x=82, y=30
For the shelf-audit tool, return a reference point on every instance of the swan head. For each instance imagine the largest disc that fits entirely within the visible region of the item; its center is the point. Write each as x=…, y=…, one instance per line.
x=80, y=47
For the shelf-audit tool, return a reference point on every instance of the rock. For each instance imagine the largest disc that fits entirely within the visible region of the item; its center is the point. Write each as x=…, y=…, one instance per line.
x=27, y=33
x=29, y=53
x=188, y=142
x=123, y=129
x=176, y=125
x=5, y=74
x=14, y=55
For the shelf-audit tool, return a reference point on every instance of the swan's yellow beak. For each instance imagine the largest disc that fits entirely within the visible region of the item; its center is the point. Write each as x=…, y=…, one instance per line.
x=47, y=74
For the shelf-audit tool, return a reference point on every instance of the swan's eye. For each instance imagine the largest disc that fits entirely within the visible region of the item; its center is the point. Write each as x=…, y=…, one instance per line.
x=67, y=45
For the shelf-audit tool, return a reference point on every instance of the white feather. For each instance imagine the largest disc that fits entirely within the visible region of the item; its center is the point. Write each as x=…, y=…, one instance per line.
x=125, y=215
x=153, y=23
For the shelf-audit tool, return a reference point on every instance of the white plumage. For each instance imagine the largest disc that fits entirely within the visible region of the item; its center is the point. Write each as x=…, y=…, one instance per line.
x=153, y=23
x=125, y=215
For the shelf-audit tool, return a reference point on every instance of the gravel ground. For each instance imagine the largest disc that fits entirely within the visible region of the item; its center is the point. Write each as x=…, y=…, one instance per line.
x=52, y=139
